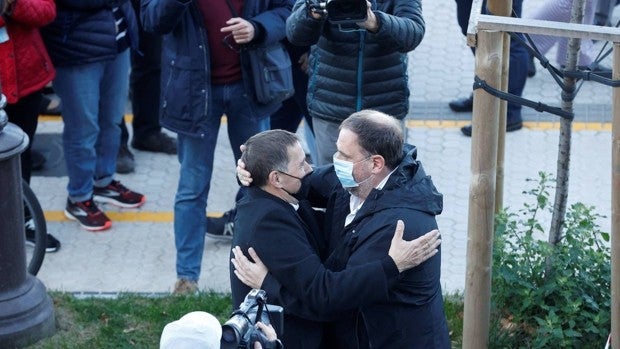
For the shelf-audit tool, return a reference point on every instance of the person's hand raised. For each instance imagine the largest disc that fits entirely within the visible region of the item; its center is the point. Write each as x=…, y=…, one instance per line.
x=409, y=254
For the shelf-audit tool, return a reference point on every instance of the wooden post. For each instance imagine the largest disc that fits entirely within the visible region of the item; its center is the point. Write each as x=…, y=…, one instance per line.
x=502, y=8
x=615, y=205
x=480, y=227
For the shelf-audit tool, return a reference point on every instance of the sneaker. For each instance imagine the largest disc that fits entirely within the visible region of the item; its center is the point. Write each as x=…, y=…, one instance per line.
x=156, y=142
x=185, y=287
x=124, y=161
x=221, y=228
x=51, y=244
x=88, y=215
x=515, y=126
x=465, y=104
x=118, y=195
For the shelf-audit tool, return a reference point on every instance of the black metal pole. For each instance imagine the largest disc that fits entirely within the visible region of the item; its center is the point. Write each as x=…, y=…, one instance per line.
x=26, y=311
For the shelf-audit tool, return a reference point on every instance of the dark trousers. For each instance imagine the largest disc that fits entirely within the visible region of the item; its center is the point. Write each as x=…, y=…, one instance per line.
x=144, y=83
x=293, y=109
x=25, y=114
x=519, y=57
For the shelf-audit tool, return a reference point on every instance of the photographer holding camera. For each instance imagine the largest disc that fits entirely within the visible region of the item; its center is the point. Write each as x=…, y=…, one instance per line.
x=358, y=61
x=249, y=327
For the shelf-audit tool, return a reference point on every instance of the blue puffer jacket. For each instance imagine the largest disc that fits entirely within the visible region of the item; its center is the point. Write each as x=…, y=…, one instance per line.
x=185, y=63
x=85, y=31
x=352, y=69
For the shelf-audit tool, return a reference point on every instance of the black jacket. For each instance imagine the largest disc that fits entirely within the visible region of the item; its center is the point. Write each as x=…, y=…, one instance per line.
x=413, y=316
x=85, y=31
x=289, y=248
x=352, y=69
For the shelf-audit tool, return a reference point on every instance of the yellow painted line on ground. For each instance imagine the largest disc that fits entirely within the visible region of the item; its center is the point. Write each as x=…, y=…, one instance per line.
x=532, y=125
x=128, y=118
x=127, y=216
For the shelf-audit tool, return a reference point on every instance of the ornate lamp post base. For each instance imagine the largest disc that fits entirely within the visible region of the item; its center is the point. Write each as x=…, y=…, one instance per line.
x=26, y=311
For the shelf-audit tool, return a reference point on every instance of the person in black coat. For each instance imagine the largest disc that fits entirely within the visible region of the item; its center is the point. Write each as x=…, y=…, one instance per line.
x=375, y=181
x=284, y=231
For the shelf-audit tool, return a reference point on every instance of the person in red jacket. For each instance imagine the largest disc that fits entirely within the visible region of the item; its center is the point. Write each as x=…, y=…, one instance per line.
x=25, y=68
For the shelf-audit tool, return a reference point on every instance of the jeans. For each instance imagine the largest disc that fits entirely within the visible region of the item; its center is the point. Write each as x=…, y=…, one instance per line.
x=519, y=57
x=93, y=97
x=195, y=155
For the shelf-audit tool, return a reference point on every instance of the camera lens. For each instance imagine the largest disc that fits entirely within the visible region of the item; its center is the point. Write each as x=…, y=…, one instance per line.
x=229, y=335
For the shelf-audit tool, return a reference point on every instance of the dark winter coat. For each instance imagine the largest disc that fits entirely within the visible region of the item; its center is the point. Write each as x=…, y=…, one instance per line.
x=185, y=63
x=85, y=31
x=25, y=66
x=355, y=70
x=288, y=242
x=413, y=316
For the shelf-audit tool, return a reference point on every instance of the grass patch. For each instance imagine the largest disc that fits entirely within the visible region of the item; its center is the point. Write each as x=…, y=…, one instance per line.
x=128, y=321
x=136, y=321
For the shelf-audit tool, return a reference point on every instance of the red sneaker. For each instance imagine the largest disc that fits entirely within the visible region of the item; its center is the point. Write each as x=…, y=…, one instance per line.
x=117, y=194
x=88, y=215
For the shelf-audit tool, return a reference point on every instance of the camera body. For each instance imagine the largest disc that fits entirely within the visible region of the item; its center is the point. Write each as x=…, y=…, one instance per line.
x=240, y=332
x=340, y=11
x=346, y=11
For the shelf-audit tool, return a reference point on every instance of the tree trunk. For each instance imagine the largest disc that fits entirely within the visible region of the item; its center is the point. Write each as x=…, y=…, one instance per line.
x=563, y=164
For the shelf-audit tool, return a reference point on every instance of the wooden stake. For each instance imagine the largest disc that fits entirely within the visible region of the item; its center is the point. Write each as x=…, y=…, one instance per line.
x=480, y=227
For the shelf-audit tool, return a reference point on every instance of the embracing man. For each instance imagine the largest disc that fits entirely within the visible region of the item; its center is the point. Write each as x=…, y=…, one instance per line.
x=374, y=182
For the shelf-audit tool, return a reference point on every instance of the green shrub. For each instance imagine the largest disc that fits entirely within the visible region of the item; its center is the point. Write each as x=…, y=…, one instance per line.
x=569, y=307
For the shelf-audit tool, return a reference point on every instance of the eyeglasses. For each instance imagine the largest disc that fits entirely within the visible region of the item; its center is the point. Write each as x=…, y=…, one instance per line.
x=229, y=41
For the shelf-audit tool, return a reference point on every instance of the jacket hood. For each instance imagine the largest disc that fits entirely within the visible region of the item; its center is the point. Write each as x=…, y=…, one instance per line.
x=409, y=187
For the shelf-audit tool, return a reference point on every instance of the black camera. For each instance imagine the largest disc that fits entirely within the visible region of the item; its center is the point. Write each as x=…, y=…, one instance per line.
x=341, y=11
x=346, y=11
x=240, y=331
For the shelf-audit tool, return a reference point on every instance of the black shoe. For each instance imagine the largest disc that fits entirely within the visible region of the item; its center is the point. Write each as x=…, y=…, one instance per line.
x=222, y=228
x=460, y=105
x=50, y=105
x=124, y=161
x=466, y=130
x=531, y=67
x=157, y=142
x=51, y=244
x=37, y=160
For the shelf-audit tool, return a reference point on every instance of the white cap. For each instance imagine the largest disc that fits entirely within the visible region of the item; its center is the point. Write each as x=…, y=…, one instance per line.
x=195, y=330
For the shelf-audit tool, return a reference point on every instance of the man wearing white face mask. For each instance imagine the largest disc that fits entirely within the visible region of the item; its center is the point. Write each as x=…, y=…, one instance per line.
x=376, y=180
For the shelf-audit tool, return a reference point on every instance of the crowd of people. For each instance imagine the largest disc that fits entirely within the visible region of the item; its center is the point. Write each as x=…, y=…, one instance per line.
x=362, y=222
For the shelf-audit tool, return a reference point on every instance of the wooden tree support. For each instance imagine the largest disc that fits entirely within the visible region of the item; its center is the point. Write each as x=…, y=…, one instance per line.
x=485, y=32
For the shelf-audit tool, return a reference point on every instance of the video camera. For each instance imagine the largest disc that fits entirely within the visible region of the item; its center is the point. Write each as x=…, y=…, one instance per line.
x=340, y=11
x=240, y=331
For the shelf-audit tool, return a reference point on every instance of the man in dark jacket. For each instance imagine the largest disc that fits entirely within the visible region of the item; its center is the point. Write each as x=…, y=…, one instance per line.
x=282, y=229
x=205, y=74
x=356, y=66
x=88, y=43
x=375, y=181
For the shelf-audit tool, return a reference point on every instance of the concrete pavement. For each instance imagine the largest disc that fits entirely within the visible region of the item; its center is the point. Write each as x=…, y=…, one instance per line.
x=137, y=254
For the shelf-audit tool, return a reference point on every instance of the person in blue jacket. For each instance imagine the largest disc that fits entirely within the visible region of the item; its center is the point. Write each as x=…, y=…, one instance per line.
x=206, y=74
x=88, y=43
x=374, y=181
x=356, y=66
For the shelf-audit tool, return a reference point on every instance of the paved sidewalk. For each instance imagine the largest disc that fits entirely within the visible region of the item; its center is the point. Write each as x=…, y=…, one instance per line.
x=137, y=254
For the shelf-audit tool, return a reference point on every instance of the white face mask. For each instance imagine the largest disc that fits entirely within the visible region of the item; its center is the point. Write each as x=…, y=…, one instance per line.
x=344, y=171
